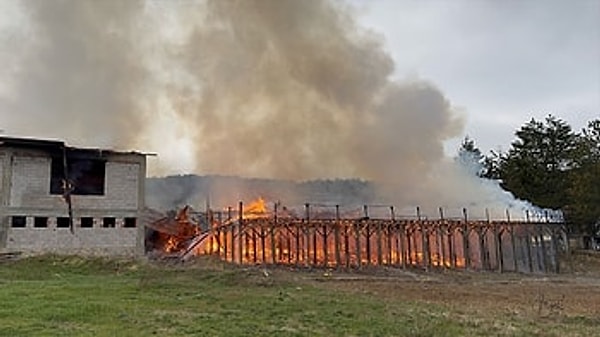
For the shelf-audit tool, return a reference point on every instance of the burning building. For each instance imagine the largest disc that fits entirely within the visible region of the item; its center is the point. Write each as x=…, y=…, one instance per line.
x=325, y=236
x=61, y=199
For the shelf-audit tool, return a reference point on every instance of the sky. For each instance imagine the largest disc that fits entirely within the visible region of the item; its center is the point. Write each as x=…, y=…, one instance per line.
x=501, y=62
x=498, y=63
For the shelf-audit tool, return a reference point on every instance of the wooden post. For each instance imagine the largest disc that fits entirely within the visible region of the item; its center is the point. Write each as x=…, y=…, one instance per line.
x=528, y=249
x=424, y=248
x=211, y=241
x=466, y=244
x=263, y=243
x=298, y=243
x=528, y=243
x=402, y=235
x=481, y=232
x=225, y=232
x=512, y=241
x=272, y=233
x=543, y=246
x=409, y=244
x=555, y=250
x=217, y=233
x=336, y=235
x=254, y=250
x=357, y=237
x=313, y=234
x=240, y=227
x=529, y=257
x=325, y=246
x=441, y=238
x=379, y=249
x=232, y=226
x=514, y=248
x=390, y=243
x=289, y=244
x=389, y=235
x=307, y=235
x=451, y=249
x=450, y=236
x=368, y=234
x=347, y=246
x=498, y=243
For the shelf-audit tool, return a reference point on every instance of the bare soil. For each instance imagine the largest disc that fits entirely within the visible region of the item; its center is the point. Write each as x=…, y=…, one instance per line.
x=572, y=293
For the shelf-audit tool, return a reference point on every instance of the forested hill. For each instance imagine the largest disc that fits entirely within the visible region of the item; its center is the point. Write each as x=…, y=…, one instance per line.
x=221, y=191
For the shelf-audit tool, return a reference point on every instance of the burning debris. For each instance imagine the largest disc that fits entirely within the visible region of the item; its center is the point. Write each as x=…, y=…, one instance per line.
x=175, y=234
x=324, y=236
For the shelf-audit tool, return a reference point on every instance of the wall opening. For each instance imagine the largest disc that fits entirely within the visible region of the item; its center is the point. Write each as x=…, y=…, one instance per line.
x=62, y=222
x=109, y=222
x=40, y=222
x=87, y=222
x=87, y=175
x=130, y=223
x=18, y=221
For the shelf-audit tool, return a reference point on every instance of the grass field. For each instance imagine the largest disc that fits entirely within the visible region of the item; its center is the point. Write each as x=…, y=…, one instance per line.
x=73, y=296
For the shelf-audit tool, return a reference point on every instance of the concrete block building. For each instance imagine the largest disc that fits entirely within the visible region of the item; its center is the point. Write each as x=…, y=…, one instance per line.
x=60, y=199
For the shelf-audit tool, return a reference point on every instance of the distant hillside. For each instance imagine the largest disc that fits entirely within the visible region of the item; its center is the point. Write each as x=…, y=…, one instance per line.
x=221, y=191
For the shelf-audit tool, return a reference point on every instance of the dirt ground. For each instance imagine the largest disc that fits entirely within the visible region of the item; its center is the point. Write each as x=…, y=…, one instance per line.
x=573, y=292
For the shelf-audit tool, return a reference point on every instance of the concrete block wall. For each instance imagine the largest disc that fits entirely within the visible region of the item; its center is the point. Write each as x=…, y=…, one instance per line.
x=2, y=160
x=86, y=241
x=25, y=191
x=3, y=201
x=30, y=186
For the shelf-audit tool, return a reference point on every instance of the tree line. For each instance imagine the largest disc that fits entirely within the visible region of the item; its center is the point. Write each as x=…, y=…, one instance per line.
x=550, y=165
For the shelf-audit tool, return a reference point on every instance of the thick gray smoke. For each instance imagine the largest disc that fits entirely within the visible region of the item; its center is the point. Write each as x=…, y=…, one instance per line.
x=268, y=88
x=294, y=89
x=78, y=74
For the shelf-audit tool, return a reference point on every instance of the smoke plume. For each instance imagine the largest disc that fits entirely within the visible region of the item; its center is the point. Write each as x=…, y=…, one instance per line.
x=279, y=89
x=295, y=89
x=78, y=75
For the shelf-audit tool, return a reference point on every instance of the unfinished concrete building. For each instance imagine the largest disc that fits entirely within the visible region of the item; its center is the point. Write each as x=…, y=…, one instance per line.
x=60, y=199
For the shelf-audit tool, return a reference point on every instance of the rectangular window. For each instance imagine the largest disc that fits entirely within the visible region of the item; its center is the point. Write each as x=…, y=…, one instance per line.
x=86, y=176
x=62, y=222
x=87, y=222
x=18, y=221
x=109, y=222
x=130, y=223
x=40, y=222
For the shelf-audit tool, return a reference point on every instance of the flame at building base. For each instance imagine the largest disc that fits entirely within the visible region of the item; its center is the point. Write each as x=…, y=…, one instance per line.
x=330, y=239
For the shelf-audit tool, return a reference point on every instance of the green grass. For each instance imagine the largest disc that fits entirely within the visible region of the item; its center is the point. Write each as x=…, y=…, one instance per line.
x=72, y=296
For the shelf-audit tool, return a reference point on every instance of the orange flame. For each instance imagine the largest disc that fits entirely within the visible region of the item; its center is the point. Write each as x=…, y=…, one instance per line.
x=256, y=209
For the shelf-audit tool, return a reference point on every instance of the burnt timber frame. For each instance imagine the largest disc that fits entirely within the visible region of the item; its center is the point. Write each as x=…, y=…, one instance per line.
x=363, y=242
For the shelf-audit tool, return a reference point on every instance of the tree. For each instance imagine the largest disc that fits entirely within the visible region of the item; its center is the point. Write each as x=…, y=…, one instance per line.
x=537, y=165
x=554, y=167
x=583, y=207
x=470, y=157
x=491, y=165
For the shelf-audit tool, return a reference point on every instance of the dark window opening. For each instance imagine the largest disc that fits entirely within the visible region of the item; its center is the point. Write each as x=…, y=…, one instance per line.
x=18, y=221
x=130, y=223
x=40, y=222
x=87, y=222
x=85, y=175
x=109, y=222
x=63, y=222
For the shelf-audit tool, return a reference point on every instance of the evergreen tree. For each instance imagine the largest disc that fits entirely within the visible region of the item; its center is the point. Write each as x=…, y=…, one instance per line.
x=583, y=207
x=470, y=157
x=536, y=168
x=491, y=165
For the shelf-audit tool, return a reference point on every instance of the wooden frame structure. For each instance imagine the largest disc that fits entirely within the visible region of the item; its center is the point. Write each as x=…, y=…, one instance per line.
x=333, y=241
